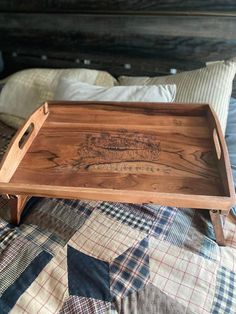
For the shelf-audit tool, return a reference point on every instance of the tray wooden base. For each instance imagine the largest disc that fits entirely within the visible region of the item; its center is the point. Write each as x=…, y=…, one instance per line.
x=17, y=204
x=217, y=220
x=168, y=154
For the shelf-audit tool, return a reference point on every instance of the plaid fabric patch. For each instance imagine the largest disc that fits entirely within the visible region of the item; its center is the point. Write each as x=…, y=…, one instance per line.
x=130, y=271
x=19, y=264
x=4, y=225
x=225, y=295
x=121, y=212
x=209, y=249
x=42, y=238
x=105, y=238
x=49, y=289
x=4, y=210
x=146, y=211
x=59, y=216
x=11, y=251
x=164, y=218
x=6, y=237
x=82, y=305
x=6, y=135
x=180, y=226
x=83, y=208
x=3, y=202
x=182, y=275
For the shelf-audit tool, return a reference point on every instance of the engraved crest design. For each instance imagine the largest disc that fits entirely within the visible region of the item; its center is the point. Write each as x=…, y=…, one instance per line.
x=105, y=151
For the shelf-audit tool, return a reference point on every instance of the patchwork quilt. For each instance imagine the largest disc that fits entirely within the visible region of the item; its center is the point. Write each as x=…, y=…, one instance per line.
x=94, y=257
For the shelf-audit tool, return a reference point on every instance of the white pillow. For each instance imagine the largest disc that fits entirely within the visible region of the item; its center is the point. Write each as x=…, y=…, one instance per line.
x=76, y=90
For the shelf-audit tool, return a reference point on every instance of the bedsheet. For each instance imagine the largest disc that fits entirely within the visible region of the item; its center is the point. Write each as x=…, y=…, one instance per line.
x=97, y=257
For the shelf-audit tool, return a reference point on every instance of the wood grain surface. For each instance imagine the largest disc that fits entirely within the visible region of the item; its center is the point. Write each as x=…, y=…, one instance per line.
x=117, y=5
x=157, y=149
x=128, y=38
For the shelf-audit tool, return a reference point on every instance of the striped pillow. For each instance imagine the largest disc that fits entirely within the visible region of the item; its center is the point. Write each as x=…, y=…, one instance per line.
x=212, y=84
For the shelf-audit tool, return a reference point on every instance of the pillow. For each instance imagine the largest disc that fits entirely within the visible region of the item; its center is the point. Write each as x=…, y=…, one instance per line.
x=75, y=90
x=6, y=135
x=230, y=136
x=24, y=91
x=11, y=120
x=212, y=84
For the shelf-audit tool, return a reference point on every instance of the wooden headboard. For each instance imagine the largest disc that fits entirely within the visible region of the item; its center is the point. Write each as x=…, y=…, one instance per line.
x=131, y=37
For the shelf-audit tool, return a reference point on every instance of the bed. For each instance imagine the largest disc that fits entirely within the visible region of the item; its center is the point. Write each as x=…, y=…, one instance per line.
x=97, y=257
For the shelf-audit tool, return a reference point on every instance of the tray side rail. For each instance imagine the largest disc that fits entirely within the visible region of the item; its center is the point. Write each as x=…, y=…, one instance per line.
x=223, y=160
x=21, y=142
x=193, y=109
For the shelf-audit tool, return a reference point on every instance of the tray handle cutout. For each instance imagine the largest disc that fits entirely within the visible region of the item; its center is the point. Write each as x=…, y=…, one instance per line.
x=21, y=142
x=217, y=144
x=26, y=135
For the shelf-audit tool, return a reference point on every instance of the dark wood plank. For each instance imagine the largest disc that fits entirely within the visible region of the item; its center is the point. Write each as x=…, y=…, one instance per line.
x=18, y=58
x=116, y=5
x=120, y=25
x=110, y=42
x=120, y=44
x=158, y=56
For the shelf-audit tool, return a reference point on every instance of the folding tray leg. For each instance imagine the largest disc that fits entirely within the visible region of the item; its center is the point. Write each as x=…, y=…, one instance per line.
x=217, y=223
x=17, y=203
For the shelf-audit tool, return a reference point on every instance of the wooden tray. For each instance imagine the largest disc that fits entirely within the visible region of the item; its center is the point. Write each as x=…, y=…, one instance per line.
x=164, y=153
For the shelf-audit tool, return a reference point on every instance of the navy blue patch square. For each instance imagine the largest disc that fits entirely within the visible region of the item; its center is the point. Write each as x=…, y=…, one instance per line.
x=87, y=276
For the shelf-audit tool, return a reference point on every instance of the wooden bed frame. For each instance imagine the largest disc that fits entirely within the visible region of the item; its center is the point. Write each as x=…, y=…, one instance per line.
x=124, y=37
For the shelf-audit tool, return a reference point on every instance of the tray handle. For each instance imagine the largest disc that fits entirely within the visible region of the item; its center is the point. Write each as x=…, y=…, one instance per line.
x=223, y=165
x=26, y=135
x=21, y=143
x=217, y=144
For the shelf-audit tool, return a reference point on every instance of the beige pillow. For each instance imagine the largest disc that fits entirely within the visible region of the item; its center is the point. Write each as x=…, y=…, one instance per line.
x=24, y=91
x=11, y=120
x=212, y=84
